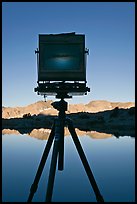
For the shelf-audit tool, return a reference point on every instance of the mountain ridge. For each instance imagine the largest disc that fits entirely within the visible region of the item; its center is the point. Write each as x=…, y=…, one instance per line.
x=42, y=107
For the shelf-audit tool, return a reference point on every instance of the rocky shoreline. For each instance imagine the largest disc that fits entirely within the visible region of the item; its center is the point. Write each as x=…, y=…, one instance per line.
x=117, y=121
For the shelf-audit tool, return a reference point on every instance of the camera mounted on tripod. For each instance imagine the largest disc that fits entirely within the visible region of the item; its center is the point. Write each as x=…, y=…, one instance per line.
x=62, y=72
x=61, y=60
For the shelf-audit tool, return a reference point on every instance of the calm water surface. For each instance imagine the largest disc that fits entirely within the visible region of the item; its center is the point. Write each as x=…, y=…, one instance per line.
x=112, y=161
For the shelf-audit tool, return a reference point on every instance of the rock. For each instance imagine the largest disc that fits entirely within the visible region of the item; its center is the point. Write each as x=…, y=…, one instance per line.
x=27, y=115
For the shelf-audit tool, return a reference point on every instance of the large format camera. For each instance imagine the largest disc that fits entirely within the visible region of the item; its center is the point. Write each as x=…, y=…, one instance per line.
x=62, y=65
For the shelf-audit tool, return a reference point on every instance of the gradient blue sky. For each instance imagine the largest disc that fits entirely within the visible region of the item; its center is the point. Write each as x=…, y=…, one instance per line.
x=109, y=28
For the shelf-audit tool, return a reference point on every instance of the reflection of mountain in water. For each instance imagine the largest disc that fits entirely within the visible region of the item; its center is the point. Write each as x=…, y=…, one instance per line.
x=43, y=134
x=118, y=122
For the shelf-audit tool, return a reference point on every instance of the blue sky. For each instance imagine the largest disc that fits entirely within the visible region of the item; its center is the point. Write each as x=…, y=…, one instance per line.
x=109, y=28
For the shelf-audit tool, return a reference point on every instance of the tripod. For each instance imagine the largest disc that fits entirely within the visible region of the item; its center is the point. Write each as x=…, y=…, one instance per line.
x=57, y=133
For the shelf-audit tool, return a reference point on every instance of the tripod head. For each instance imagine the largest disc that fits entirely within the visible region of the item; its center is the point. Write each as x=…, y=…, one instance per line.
x=60, y=105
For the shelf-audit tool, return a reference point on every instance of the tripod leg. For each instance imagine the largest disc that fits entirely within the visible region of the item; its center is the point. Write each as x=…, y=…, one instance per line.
x=85, y=162
x=61, y=147
x=41, y=165
x=52, y=170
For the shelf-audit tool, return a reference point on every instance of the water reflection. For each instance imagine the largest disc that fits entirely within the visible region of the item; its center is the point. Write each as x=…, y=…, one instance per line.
x=111, y=160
